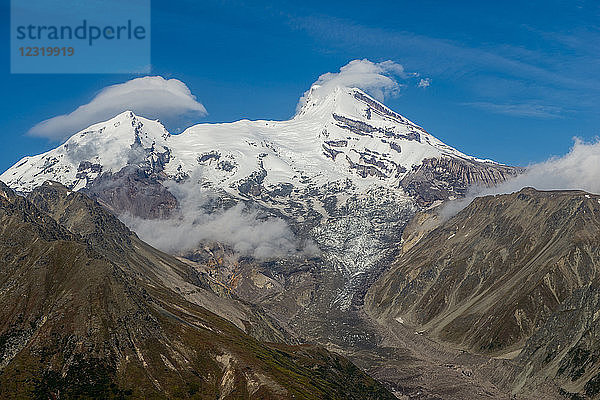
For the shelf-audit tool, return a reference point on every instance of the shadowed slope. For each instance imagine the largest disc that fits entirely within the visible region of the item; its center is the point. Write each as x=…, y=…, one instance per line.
x=88, y=314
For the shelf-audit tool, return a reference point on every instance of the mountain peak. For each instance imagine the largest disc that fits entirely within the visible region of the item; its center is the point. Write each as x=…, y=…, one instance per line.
x=321, y=99
x=106, y=146
x=339, y=133
x=126, y=114
x=122, y=117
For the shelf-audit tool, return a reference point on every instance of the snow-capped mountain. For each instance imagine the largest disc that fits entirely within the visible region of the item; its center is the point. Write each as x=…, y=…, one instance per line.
x=345, y=172
x=345, y=134
x=103, y=147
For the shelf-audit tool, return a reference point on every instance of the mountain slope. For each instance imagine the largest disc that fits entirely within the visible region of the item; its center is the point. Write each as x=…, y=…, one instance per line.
x=100, y=229
x=565, y=348
x=486, y=278
x=88, y=314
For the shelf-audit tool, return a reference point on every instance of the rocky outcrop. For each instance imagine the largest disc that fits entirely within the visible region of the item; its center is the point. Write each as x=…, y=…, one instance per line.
x=132, y=191
x=447, y=177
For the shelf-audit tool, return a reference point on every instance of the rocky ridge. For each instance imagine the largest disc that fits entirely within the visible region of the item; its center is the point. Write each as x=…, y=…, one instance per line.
x=511, y=276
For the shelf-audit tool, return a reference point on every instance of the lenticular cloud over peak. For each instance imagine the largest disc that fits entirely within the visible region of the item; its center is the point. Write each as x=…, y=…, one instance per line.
x=378, y=79
x=151, y=96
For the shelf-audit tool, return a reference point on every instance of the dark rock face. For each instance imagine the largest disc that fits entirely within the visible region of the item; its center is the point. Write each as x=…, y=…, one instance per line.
x=132, y=191
x=86, y=167
x=441, y=178
x=486, y=278
x=252, y=185
x=358, y=127
x=366, y=170
x=329, y=152
x=364, y=129
x=92, y=312
x=378, y=107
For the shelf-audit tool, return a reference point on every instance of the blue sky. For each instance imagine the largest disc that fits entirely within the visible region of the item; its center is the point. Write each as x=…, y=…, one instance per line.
x=511, y=81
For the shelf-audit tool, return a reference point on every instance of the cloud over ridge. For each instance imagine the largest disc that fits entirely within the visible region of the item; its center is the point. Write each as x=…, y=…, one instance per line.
x=150, y=96
x=247, y=230
x=579, y=169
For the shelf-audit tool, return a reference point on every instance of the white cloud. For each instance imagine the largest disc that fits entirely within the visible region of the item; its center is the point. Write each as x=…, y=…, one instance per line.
x=579, y=169
x=245, y=229
x=150, y=96
x=424, y=83
x=377, y=79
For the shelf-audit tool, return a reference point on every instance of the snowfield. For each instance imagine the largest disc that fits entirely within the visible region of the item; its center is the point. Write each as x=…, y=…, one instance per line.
x=345, y=134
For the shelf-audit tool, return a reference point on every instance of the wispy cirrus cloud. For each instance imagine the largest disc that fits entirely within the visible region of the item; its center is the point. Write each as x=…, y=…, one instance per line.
x=557, y=80
x=450, y=56
x=519, y=110
x=150, y=96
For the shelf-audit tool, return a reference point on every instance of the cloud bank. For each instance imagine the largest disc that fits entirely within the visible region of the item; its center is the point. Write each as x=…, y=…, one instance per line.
x=380, y=80
x=150, y=96
x=246, y=230
x=579, y=169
